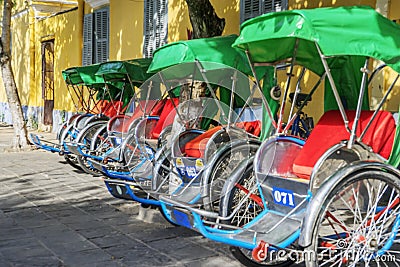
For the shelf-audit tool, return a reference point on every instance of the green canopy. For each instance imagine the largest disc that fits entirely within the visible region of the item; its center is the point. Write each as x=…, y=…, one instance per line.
x=71, y=76
x=356, y=31
x=216, y=49
x=88, y=74
x=136, y=69
x=209, y=51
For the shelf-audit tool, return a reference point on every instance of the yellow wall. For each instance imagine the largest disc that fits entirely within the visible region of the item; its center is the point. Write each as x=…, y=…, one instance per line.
x=20, y=56
x=126, y=29
x=66, y=30
x=178, y=18
x=394, y=10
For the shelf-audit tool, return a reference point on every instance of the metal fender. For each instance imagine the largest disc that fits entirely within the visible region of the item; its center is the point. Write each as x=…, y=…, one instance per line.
x=321, y=196
x=210, y=165
x=94, y=123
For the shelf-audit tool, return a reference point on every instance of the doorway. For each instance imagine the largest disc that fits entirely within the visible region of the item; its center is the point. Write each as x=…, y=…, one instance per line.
x=48, y=81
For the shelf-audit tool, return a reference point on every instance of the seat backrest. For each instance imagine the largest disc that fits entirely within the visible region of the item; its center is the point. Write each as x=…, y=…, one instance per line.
x=121, y=123
x=252, y=127
x=330, y=130
x=166, y=117
x=113, y=109
x=158, y=107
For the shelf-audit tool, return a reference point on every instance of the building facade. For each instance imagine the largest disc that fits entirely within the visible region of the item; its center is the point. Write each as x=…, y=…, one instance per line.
x=50, y=36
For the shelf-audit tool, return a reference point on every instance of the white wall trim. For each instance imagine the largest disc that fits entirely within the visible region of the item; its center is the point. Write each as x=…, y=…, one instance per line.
x=97, y=3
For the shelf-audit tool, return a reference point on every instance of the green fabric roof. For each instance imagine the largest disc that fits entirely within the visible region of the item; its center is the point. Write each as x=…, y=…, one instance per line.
x=358, y=31
x=215, y=49
x=135, y=68
x=71, y=76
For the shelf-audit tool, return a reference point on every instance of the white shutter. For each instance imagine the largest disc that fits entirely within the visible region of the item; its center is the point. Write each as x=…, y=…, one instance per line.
x=148, y=27
x=155, y=25
x=87, y=52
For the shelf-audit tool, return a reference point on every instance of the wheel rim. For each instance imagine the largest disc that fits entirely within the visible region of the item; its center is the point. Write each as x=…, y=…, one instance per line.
x=251, y=206
x=360, y=225
x=222, y=171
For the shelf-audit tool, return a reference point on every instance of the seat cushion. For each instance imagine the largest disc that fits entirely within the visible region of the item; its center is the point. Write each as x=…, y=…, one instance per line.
x=195, y=148
x=166, y=117
x=330, y=131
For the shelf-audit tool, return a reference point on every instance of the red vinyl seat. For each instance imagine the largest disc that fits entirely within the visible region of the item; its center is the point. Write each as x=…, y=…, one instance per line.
x=330, y=130
x=196, y=147
x=113, y=108
x=121, y=123
x=167, y=116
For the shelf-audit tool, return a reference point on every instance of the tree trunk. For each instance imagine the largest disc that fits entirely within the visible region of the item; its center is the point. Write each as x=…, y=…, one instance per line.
x=205, y=22
x=21, y=136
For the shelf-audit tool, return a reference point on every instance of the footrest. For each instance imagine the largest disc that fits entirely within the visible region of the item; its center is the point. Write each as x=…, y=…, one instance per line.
x=46, y=145
x=73, y=148
x=267, y=226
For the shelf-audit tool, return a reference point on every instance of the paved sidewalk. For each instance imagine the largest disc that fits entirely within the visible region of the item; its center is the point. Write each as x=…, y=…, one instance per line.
x=54, y=215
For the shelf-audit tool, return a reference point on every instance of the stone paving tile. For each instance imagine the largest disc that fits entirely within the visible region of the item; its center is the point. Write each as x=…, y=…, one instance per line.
x=181, y=249
x=54, y=215
x=25, y=250
x=84, y=257
x=213, y=262
x=38, y=261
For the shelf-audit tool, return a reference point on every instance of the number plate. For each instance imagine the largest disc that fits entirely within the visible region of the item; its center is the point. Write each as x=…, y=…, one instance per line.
x=283, y=197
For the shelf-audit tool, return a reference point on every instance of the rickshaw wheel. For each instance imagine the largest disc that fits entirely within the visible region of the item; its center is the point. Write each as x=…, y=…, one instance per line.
x=131, y=152
x=222, y=169
x=72, y=160
x=68, y=134
x=358, y=223
x=87, y=136
x=250, y=209
x=244, y=256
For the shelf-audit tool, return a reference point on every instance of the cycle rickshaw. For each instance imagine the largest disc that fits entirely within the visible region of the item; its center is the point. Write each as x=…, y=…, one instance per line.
x=187, y=65
x=124, y=75
x=93, y=101
x=335, y=197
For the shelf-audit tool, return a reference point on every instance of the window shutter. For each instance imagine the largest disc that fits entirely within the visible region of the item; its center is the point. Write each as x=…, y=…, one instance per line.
x=253, y=8
x=87, y=52
x=101, y=30
x=155, y=25
x=148, y=26
x=274, y=5
x=162, y=23
x=249, y=9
